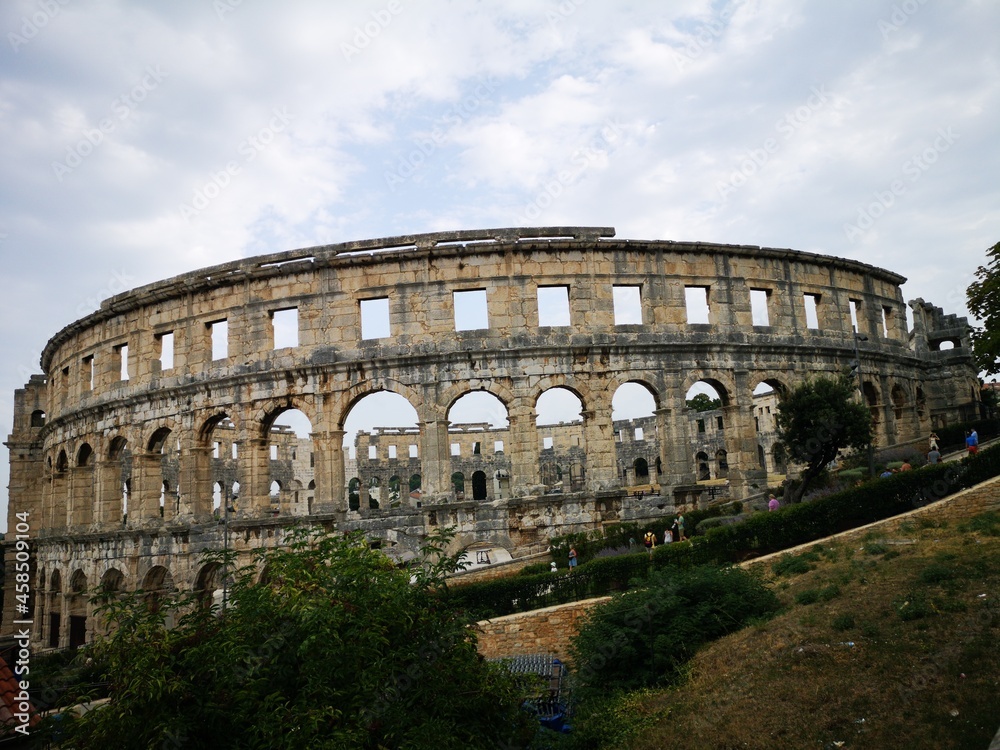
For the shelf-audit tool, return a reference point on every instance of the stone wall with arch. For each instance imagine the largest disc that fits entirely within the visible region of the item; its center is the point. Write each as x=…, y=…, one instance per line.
x=107, y=424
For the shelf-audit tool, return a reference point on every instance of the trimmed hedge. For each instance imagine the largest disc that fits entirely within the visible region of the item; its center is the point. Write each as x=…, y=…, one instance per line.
x=759, y=534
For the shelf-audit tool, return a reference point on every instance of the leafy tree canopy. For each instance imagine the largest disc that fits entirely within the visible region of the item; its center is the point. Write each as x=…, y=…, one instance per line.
x=703, y=402
x=817, y=420
x=338, y=649
x=984, y=302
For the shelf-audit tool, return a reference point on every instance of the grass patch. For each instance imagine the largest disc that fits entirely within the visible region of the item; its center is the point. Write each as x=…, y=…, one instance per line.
x=918, y=621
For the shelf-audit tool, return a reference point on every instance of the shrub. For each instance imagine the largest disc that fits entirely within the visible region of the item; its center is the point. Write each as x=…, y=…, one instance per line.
x=535, y=569
x=843, y=622
x=643, y=637
x=809, y=596
x=936, y=573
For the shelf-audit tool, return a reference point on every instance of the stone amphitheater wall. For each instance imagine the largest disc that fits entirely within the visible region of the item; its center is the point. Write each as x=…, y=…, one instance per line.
x=110, y=404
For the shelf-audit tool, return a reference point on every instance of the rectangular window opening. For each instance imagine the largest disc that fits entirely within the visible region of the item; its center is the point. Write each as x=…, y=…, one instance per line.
x=758, y=307
x=553, y=306
x=456, y=449
x=477, y=448
x=88, y=372
x=285, y=327
x=471, y=312
x=215, y=449
x=628, y=305
x=498, y=446
x=375, y=318
x=547, y=443
x=886, y=321
x=638, y=434
x=701, y=425
x=696, y=303
x=219, y=331
x=392, y=451
x=236, y=451
x=855, y=310
x=413, y=451
x=372, y=452
x=812, y=308
x=166, y=351
x=122, y=352
x=274, y=452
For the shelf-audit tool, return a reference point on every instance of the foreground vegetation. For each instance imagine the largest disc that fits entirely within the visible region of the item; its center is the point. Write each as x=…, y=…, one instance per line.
x=891, y=641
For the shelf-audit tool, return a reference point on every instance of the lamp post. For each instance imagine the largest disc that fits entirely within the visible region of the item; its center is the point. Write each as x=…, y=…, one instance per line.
x=227, y=509
x=861, y=386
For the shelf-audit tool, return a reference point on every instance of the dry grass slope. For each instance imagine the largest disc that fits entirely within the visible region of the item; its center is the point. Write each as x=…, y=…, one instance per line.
x=892, y=641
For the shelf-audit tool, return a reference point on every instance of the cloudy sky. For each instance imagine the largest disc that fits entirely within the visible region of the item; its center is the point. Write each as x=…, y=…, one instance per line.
x=141, y=140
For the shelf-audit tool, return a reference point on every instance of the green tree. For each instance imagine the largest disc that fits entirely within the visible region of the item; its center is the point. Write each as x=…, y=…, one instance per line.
x=703, y=402
x=984, y=302
x=817, y=420
x=338, y=649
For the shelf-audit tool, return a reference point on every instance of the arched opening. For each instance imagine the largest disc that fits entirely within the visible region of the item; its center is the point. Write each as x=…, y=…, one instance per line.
x=290, y=454
x=208, y=585
x=479, y=485
x=77, y=609
x=871, y=398
x=55, y=609
x=374, y=492
x=761, y=457
x=395, y=488
x=354, y=494
x=559, y=422
x=381, y=437
x=84, y=454
x=218, y=439
x=721, y=464
x=898, y=396
x=161, y=444
x=478, y=429
x=704, y=472
x=779, y=459
x=415, y=491
x=38, y=418
x=119, y=453
x=458, y=485
x=157, y=585
x=640, y=467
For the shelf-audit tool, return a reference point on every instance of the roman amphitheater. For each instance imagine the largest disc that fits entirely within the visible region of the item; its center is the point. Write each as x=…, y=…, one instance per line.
x=150, y=434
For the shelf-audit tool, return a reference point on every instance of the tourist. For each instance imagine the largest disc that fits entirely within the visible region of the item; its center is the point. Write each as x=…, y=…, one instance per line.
x=933, y=441
x=972, y=443
x=675, y=531
x=906, y=466
x=680, y=527
x=572, y=558
x=668, y=536
x=772, y=502
x=933, y=456
x=886, y=473
x=650, y=541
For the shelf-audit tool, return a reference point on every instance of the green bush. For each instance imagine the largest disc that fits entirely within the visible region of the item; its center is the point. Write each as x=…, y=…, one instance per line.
x=936, y=573
x=809, y=596
x=843, y=622
x=536, y=569
x=643, y=637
